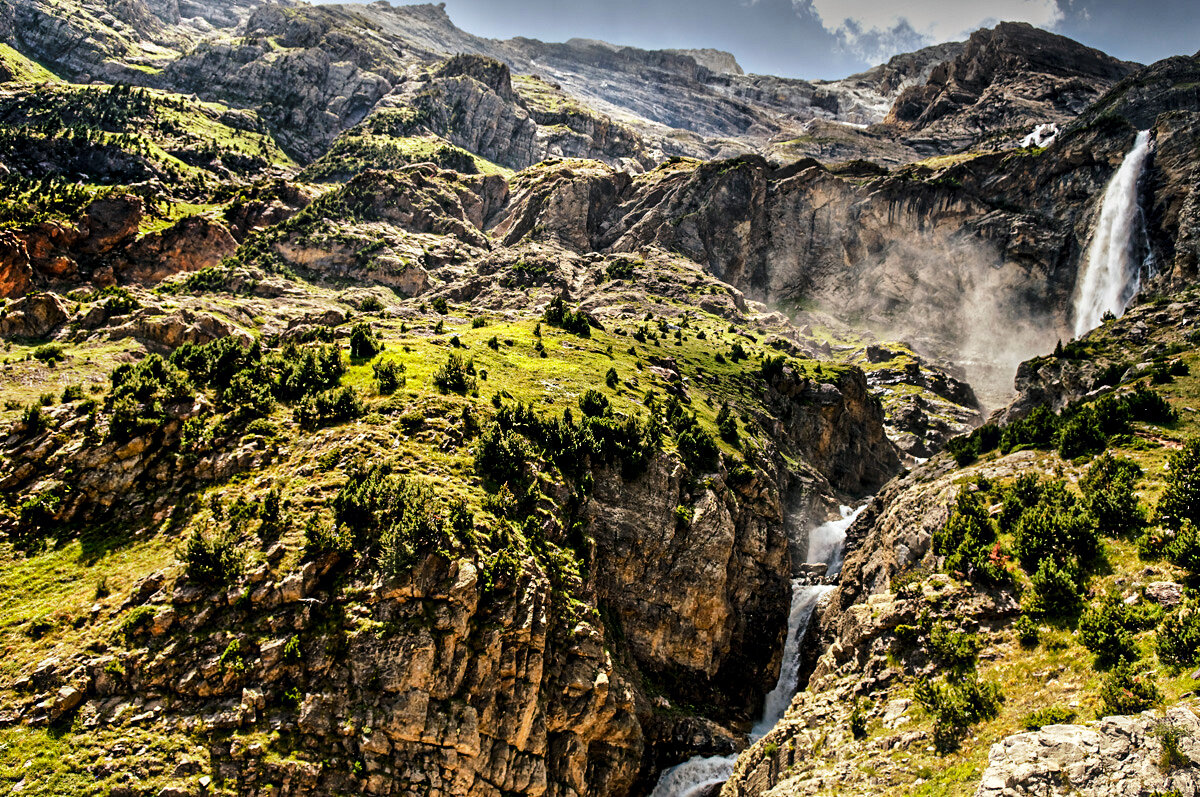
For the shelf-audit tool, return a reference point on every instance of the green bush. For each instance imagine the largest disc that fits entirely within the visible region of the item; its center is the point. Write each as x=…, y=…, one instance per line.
x=1108, y=629
x=1056, y=527
x=953, y=650
x=1178, y=638
x=573, y=321
x=1053, y=715
x=328, y=408
x=140, y=393
x=1180, y=500
x=858, y=722
x=611, y=379
x=363, y=343
x=322, y=538
x=49, y=353
x=968, y=541
x=1183, y=549
x=455, y=376
x=593, y=403
x=1125, y=691
x=1081, y=434
x=502, y=456
x=398, y=520
x=1054, y=590
x=698, y=450
x=727, y=425
x=1027, y=631
x=212, y=560
x=389, y=376
x=956, y=706
x=1109, y=496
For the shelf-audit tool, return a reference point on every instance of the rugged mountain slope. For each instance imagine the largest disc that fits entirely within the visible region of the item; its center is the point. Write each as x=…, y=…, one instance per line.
x=1012, y=77
x=385, y=412
x=907, y=612
x=315, y=71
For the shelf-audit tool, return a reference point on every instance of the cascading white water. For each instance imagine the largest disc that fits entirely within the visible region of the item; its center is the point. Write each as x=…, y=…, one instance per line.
x=698, y=775
x=1112, y=275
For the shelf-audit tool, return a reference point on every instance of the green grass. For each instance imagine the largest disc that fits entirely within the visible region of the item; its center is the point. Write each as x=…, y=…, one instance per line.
x=23, y=69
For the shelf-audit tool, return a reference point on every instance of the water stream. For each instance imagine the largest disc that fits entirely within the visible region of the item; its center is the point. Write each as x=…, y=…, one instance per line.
x=1112, y=274
x=696, y=776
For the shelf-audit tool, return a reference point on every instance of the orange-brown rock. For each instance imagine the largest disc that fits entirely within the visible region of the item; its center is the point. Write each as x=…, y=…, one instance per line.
x=190, y=245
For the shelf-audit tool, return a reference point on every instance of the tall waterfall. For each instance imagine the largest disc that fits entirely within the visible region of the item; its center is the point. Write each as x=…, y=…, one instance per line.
x=698, y=775
x=1112, y=275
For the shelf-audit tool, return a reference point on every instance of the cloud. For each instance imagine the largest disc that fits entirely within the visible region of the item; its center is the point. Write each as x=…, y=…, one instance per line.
x=878, y=29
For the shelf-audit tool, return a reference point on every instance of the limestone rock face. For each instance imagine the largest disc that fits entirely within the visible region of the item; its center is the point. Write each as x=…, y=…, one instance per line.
x=189, y=245
x=1115, y=756
x=1014, y=75
x=33, y=317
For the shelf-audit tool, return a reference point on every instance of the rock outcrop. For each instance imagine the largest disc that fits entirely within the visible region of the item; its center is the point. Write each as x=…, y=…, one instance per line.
x=1114, y=756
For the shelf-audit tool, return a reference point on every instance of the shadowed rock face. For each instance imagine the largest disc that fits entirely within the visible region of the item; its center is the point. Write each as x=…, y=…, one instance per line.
x=1013, y=76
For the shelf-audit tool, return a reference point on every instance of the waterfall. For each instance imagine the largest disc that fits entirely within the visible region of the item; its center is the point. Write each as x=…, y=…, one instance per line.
x=1111, y=275
x=697, y=776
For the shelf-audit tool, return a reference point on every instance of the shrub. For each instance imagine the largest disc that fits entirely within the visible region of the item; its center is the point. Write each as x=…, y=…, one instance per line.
x=956, y=706
x=117, y=300
x=33, y=419
x=1057, y=527
x=1183, y=550
x=455, y=376
x=1178, y=638
x=49, y=353
x=1108, y=629
x=1054, y=590
x=1053, y=715
x=683, y=516
x=573, y=321
x=727, y=425
x=1109, y=497
x=968, y=541
x=396, y=519
x=1126, y=692
x=1148, y=405
x=439, y=304
x=231, y=658
x=140, y=393
x=1081, y=434
x=1027, y=631
x=363, y=343
x=330, y=407
x=214, y=560
x=322, y=538
x=698, y=450
x=593, y=403
x=389, y=376
x=72, y=393
x=858, y=722
x=502, y=456
x=1180, y=500
x=612, y=379
x=1170, y=757
x=955, y=650
x=478, y=322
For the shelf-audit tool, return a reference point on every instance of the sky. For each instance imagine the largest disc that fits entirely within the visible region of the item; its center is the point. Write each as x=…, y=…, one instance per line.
x=833, y=38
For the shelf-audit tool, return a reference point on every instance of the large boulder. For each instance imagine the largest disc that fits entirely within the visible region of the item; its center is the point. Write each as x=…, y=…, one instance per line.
x=33, y=316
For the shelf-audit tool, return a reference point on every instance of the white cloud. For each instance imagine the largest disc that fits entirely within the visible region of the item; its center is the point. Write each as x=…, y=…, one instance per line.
x=877, y=29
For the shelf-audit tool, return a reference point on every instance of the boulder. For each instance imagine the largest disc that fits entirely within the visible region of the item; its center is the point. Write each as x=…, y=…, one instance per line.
x=34, y=316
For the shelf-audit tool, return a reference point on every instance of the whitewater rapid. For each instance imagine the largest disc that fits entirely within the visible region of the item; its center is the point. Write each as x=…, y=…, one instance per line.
x=1111, y=273
x=826, y=544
